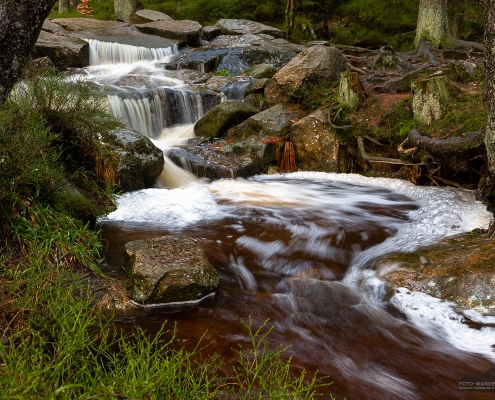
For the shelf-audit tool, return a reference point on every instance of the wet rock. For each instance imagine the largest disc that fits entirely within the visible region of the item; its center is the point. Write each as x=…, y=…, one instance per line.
x=274, y=121
x=64, y=51
x=243, y=26
x=210, y=32
x=261, y=71
x=184, y=31
x=140, y=160
x=222, y=117
x=218, y=82
x=319, y=65
x=144, y=16
x=189, y=76
x=235, y=60
x=315, y=143
x=256, y=86
x=168, y=269
x=226, y=159
x=459, y=269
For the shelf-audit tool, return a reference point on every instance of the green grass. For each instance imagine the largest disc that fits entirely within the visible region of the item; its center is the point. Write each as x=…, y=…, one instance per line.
x=59, y=345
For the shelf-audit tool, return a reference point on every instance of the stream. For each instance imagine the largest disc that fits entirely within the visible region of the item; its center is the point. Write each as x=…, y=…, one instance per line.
x=297, y=250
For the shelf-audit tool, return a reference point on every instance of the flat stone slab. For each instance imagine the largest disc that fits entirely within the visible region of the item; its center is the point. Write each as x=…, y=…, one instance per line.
x=78, y=24
x=243, y=26
x=144, y=16
x=184, y=31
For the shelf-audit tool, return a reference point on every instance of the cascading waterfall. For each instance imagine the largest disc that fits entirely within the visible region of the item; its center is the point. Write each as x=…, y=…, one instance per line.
x=235, y=91
x=116, y=53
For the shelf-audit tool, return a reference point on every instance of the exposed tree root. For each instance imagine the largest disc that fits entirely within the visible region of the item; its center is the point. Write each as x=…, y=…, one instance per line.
x=385, y=160
x=465, y=143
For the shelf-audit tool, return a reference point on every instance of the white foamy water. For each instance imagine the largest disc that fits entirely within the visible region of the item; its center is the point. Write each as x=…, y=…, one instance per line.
x=441, y=319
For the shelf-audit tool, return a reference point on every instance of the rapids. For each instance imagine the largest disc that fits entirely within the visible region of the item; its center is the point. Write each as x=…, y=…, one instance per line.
x=298, y=249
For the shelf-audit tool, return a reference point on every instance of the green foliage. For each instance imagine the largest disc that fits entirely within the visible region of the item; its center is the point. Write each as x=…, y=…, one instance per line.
x=223, y=72
x=313, y=94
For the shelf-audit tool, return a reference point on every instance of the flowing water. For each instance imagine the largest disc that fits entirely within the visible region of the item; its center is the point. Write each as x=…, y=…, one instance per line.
x=298, y=249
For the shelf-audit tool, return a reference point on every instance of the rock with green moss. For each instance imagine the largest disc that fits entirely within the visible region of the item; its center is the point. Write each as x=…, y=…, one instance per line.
x=316, y=145
x=219, y=119
x=274, y=121
x=168, y=269
x=459, y=269
x=135, y=161
x=319, y=65
x=261, y=71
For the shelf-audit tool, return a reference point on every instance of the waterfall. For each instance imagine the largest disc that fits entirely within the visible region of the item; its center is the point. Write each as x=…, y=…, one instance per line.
x=116, y=53
x=149, y=111
x=235, y=91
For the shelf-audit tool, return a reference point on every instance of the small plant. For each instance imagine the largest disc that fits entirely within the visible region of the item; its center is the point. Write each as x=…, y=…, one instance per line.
x=223, y=72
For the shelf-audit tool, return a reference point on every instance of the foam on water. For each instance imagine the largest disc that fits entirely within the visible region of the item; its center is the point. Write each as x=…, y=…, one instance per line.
x=441, y=319
x=178, y=207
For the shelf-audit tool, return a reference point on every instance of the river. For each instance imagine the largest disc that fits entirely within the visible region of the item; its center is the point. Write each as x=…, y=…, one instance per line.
x=298, y=250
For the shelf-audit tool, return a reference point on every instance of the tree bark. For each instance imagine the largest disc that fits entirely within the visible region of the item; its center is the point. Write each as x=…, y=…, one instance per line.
x=489, y=40
x=20, y=26
x=63, y=6
x=290, y=14
x=432, y=23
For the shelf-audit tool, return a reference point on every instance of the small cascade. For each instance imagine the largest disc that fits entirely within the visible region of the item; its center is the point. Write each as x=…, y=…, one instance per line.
x=116, y=53
x=235, y=91
x=150, y=111
x=174, y=177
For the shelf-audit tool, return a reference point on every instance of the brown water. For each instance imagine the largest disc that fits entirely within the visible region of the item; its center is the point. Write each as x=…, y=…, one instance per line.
x=282, y=251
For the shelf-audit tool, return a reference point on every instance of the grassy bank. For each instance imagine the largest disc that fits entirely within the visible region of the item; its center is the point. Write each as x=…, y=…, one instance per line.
x=56, y=340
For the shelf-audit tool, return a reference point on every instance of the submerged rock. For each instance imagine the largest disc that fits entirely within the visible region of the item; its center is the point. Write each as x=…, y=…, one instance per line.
x=318, y=65
x=168, y=269
x=140, y=160
x=222, y=117
x=459, y=269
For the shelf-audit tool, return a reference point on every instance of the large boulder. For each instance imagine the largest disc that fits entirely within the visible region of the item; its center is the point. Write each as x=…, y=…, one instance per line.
x=459, y=269
x=140, y=160
x=64, y=51
x=184, y=31
x=316, y=145
x=168, y=269
x=210, y=32
x=243, y=26
x=275, y=121
x=145, y=16
x=222, y=117
x=318, y=65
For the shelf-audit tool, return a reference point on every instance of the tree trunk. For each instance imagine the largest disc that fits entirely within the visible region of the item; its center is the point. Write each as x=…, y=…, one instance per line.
x=63, y=6
x=351, y=91
x=20, y=26
x=430, y=98
x=490, y=83
x=432, y=23
x=290, y=14
x=74, y=4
